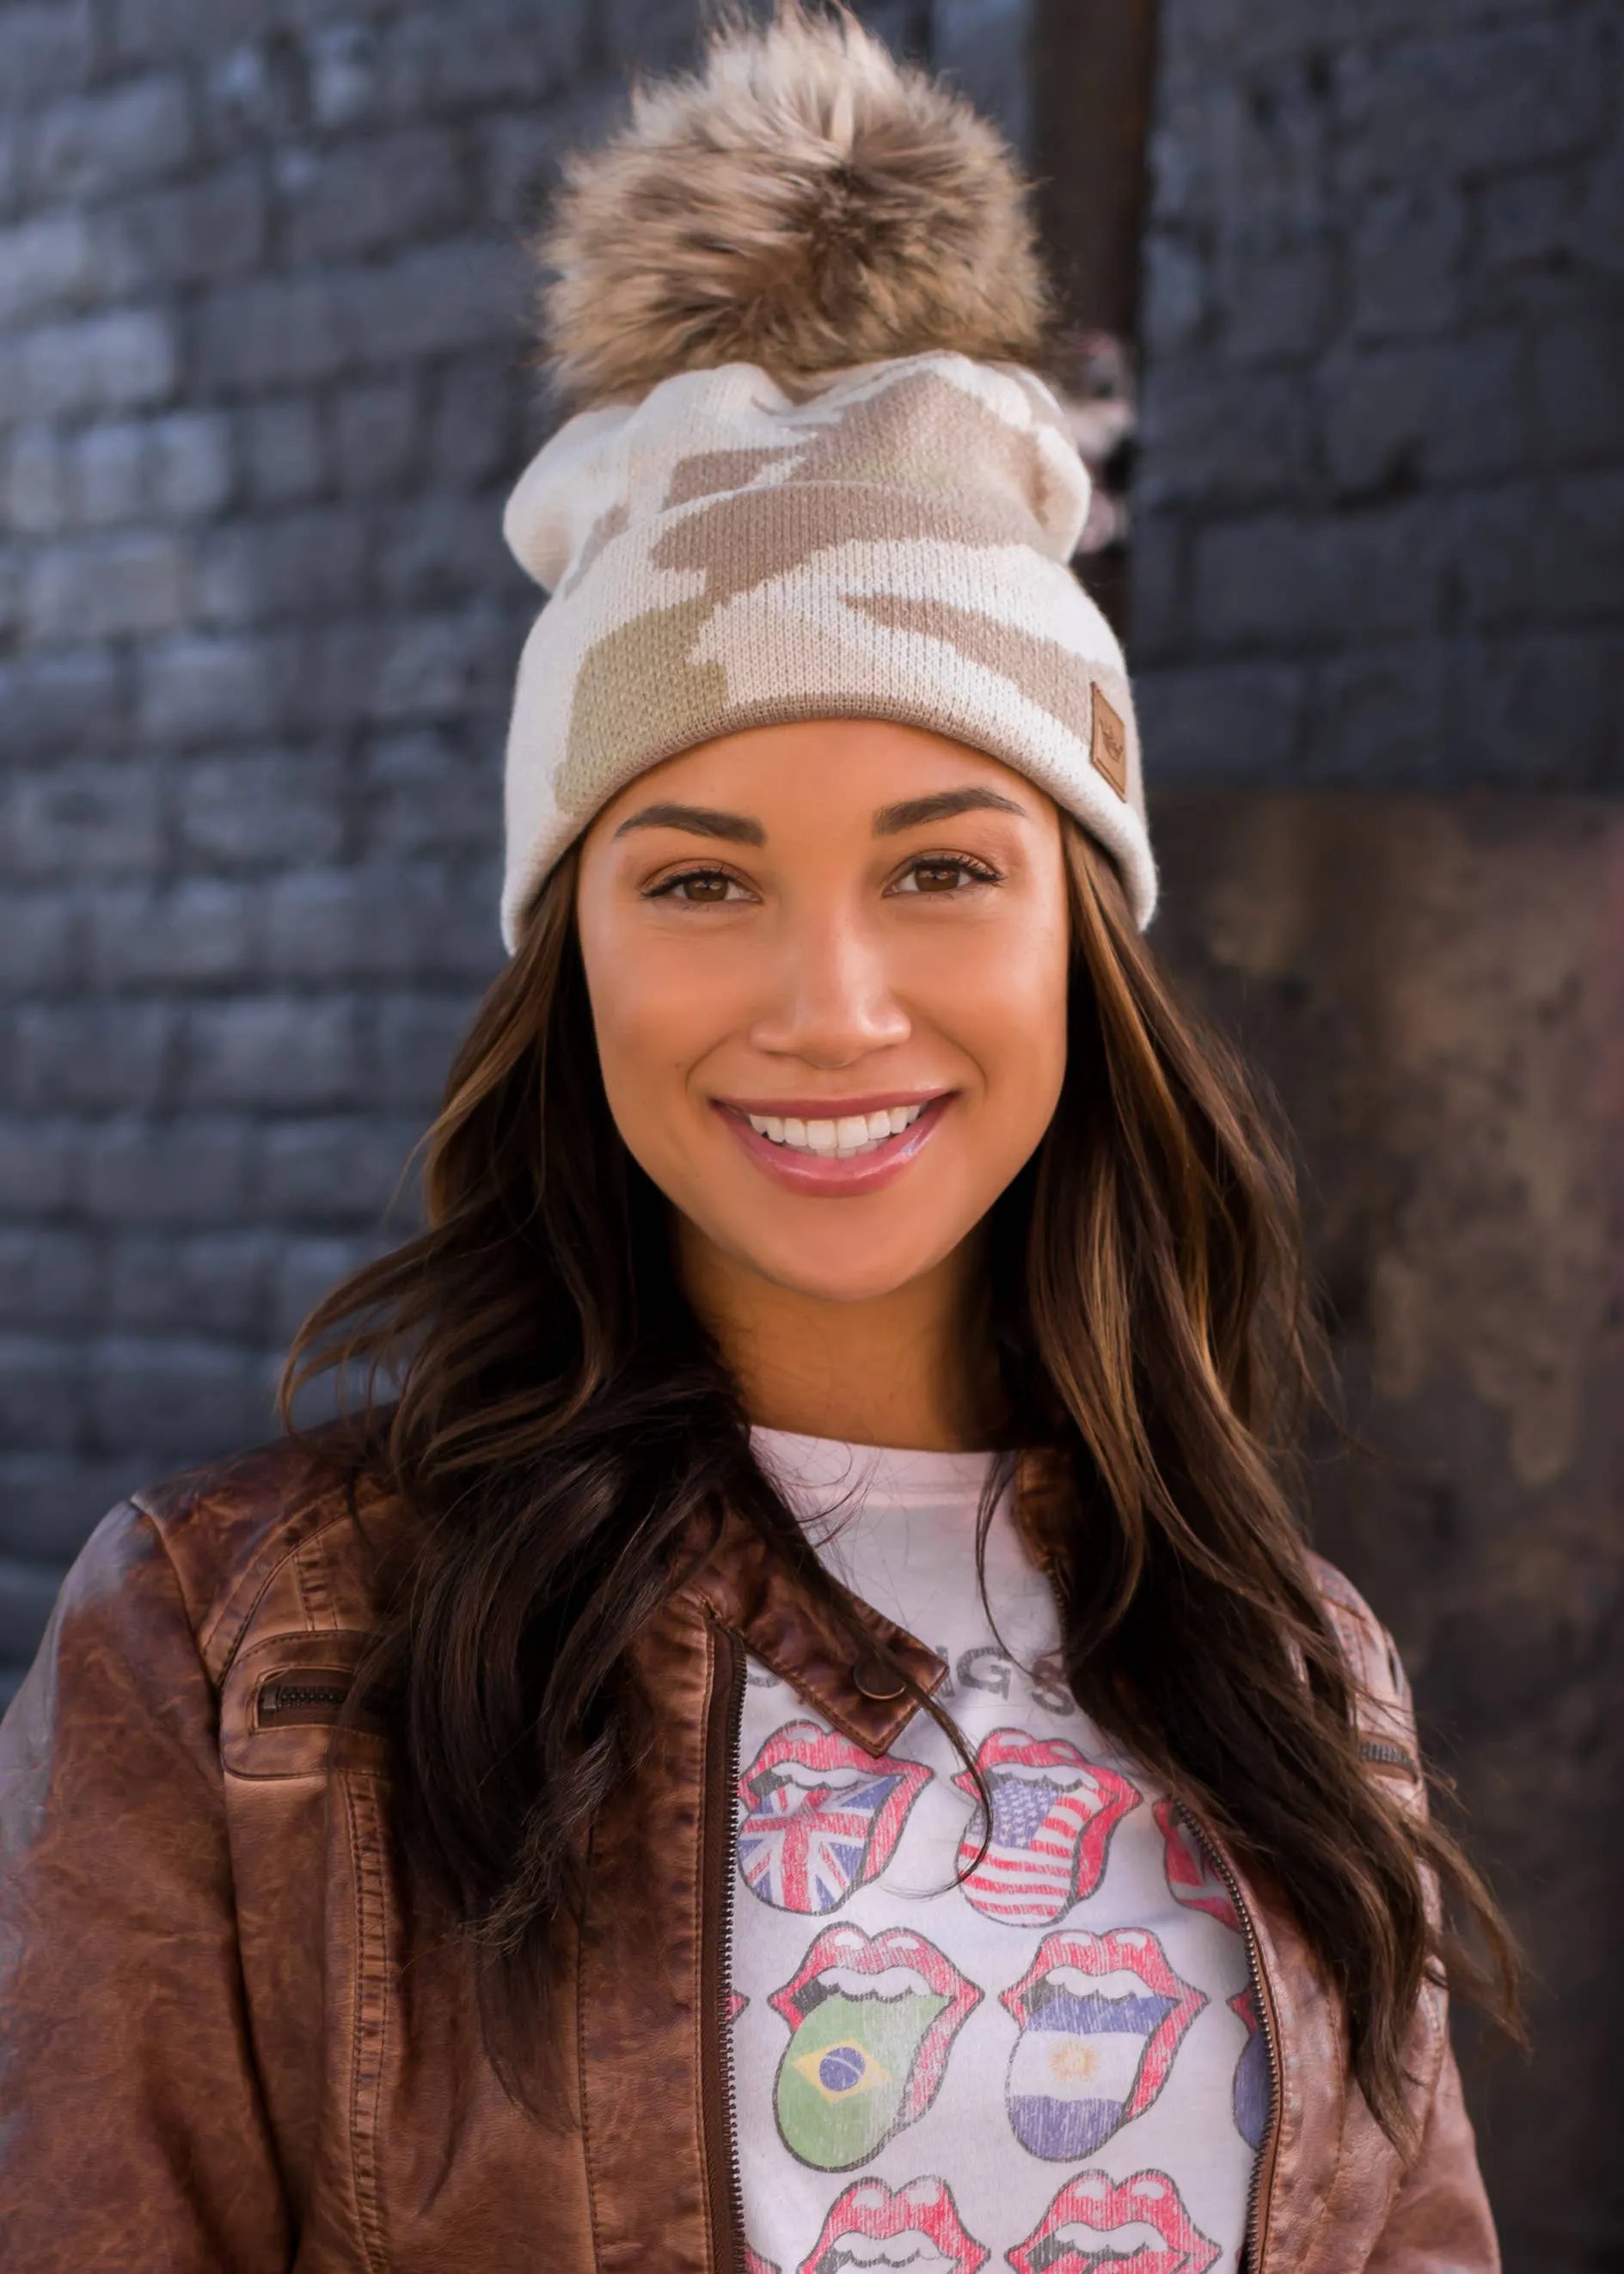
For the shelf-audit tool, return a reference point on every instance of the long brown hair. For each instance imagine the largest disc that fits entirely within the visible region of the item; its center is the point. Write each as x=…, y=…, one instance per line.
x=559, y=1422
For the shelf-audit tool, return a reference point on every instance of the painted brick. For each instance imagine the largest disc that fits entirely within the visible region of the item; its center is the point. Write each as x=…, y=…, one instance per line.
x=56, y=705
x=393, y=922
x=101, y=363
x=176, y=1401
x=93, y=1055
x=1432, y=412
x=285, y=453
x=50, y=1275
x=282, y=566
x=1229, y=722
x=35, y=483
x=281, y=1053
x=198, y=932
x=304, y=1270
x=200, y=688
x=80, y=820
x=46, y=264
x=377, y=432
x=338, y=1169
x=417, y=1036
x=103, y=588
x=44, y=46
x=1287, y=579
x=27, y=1591
x=92, y=146
x=202, y=231
x=365, y=196
x=190, y=1283
x=51, y=1502
x=41, y=951
x=158, y=1171
x=262, y=810
x=39, y=1164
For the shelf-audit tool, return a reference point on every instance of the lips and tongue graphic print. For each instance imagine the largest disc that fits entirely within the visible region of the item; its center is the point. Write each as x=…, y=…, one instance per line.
x=871, y=2021
x=915, y=2231
x=1101, y=2016
x=1094, y=2226
x=1053, y=1815
x=820, y=1816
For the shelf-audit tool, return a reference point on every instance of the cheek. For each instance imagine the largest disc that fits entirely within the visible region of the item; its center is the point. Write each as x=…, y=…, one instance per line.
x=1003, y=1001
x=655, y=1017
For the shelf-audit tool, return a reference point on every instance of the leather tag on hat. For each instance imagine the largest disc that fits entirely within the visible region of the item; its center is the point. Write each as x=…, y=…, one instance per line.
x=1108, y=749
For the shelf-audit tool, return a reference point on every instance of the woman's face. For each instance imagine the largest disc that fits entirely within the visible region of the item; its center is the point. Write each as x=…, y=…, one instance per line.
x=828, y=967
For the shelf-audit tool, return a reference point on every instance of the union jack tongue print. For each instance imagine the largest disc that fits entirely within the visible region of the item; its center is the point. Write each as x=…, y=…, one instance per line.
x=918, y=2228
x=820, y=1816
x=1053, y=1815
x=1094, y=2226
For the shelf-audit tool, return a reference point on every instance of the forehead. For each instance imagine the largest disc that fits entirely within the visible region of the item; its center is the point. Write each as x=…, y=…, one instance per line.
x=828, y=774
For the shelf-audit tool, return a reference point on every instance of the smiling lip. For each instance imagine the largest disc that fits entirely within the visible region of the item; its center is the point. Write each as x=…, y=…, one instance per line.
x=924, y=2206
x=1091, y=2203
x=826, y=1175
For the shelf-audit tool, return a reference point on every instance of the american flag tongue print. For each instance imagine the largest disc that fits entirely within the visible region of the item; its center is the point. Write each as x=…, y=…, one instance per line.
x=1053, y=1814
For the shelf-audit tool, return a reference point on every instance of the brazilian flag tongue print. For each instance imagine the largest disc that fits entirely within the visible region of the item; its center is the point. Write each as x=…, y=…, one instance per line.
x=870, y=2024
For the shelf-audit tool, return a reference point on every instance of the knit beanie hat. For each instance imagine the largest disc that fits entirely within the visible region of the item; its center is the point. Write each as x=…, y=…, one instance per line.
x=811, y=475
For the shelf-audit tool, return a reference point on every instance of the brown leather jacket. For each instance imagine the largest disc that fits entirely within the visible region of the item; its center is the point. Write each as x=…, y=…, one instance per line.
x=221, y=2047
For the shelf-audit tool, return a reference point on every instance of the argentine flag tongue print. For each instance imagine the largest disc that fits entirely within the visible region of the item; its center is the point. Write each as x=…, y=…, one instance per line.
x=1076, y=2063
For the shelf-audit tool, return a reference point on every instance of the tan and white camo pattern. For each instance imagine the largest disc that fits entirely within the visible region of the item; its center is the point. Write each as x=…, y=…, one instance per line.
x=889, y=542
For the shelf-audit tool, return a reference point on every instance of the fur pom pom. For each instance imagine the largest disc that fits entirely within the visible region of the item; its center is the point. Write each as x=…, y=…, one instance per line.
x=804, y=202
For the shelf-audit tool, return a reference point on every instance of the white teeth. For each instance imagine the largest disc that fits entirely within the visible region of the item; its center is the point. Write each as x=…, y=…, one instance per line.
x=841, y=1140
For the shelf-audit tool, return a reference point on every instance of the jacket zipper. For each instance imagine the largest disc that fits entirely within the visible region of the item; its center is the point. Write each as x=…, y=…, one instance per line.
x=717, y=1966
x=1263, y=2170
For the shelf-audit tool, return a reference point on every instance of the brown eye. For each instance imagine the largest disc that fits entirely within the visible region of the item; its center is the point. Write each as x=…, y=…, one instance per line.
x=699, y=888
x=937, y=877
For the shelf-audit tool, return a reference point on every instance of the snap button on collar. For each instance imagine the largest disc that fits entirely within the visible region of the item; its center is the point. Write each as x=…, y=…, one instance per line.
x=877, y=1679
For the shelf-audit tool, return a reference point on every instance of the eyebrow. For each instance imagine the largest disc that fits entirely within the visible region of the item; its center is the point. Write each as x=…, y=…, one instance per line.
x=699, y=821
x=913, y=812
x=889, y=821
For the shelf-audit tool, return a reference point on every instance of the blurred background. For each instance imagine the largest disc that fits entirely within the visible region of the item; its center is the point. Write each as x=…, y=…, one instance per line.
x=1345, y=285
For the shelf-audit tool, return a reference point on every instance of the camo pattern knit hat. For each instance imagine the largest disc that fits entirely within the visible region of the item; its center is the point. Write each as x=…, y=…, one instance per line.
x=812, y=478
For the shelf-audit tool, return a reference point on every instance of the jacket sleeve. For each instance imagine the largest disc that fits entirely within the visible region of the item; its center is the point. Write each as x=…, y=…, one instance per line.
x=1439, y=2221
x=133, y=2131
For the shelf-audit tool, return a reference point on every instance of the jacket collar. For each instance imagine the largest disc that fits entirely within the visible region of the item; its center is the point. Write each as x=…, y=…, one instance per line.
x=845, y=1658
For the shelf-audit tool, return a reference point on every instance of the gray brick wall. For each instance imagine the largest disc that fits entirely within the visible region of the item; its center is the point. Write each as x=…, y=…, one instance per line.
x=261, y=395
x=1383, y=453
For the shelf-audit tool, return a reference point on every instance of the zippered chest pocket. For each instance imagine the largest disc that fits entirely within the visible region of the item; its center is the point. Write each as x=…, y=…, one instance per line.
x=282, y=1703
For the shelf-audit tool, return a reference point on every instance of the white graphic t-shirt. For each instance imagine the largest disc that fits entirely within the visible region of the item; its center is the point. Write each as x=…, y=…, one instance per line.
x=1057, y=2065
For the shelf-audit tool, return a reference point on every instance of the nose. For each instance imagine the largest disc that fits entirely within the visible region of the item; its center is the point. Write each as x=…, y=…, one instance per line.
x=827, y=997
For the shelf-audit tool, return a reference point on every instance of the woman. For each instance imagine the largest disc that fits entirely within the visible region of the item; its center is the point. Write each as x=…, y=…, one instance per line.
x=805, y=1735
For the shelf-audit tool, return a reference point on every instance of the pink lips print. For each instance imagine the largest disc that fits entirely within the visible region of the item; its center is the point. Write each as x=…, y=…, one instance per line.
x=1191, y=1878
x=1053, y=1815
x=821, y=1816
x=868, y=2208
x=1100, y=2018
x=1094, y=2226
x=872, y=2020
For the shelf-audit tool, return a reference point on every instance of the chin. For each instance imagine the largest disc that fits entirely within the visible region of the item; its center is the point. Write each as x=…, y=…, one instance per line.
x=840, y=1272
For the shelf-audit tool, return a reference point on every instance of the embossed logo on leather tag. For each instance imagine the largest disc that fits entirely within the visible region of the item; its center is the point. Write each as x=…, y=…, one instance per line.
x=1108, y=751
